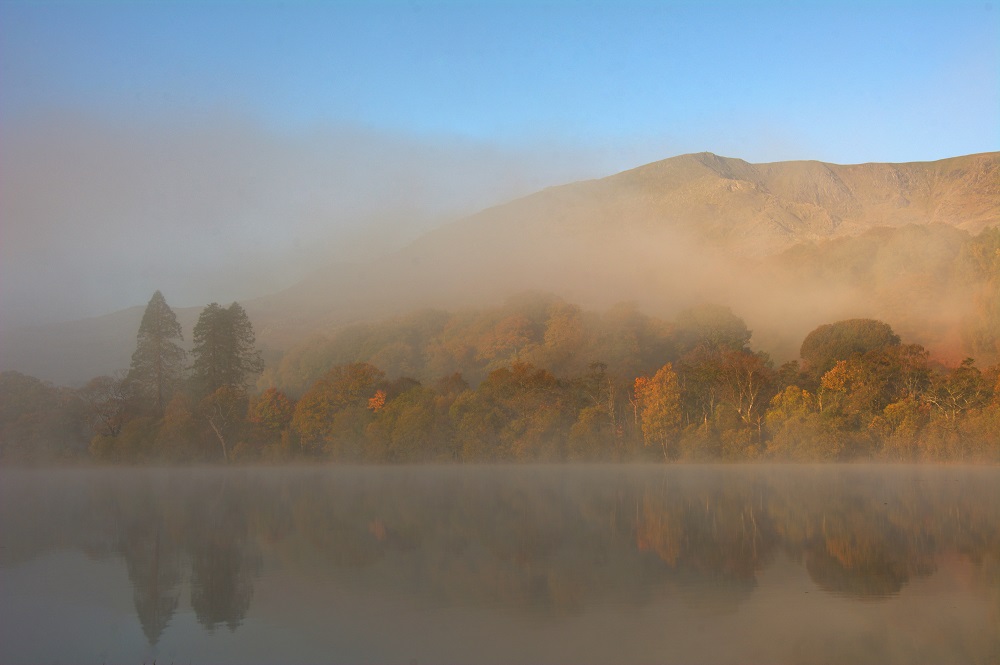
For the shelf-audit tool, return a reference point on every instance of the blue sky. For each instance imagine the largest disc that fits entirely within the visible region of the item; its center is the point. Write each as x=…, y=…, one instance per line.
x=296, y=133
x=845, y=81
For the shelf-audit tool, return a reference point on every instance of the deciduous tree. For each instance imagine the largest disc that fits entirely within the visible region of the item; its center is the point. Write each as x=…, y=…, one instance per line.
x=659, y=401
x=829, y=343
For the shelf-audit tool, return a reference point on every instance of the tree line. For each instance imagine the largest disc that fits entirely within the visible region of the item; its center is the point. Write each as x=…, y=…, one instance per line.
x=537, y=379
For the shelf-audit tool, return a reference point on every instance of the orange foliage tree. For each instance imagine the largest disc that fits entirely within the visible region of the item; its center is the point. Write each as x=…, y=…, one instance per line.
x=659, y=400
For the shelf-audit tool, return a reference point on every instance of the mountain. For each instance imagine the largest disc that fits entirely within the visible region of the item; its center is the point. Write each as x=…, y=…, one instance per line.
x=665, y=235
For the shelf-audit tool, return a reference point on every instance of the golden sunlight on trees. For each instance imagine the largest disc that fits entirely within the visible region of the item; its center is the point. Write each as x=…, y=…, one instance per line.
x=980, y=261
x=271, y=410
x=660, y=409
x=377, y=401
x=599, y=431
x=798, y=431
x=334, y=411
x=518, y=413
x=629, y=387
x=829, y=343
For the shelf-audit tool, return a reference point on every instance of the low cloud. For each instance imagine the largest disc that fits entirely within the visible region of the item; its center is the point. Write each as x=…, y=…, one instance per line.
x=97, y=214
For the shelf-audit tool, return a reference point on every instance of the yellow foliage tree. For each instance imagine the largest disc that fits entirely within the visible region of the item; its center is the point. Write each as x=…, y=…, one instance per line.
x=659, y=400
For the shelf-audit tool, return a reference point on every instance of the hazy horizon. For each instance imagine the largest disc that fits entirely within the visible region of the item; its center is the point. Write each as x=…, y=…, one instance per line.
x=217, y=154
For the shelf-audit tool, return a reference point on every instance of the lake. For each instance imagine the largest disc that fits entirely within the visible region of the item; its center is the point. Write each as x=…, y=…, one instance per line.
x=532, y=564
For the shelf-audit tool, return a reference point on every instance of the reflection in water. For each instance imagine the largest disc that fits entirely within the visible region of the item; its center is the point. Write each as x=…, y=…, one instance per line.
x=224, y=559
x=152, y=559
x=526, y=541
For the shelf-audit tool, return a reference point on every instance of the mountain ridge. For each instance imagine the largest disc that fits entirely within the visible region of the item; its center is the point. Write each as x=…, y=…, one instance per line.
x=665, y=234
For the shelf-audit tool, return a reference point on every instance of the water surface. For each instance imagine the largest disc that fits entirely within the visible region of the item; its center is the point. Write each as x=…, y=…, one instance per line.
x=561, y=564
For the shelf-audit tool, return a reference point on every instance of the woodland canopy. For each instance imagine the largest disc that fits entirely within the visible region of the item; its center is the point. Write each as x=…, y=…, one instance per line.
x=537, y=379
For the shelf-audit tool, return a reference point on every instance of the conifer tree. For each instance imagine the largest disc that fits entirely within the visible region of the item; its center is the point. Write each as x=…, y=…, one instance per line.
x=224, y=349
x=158, y=361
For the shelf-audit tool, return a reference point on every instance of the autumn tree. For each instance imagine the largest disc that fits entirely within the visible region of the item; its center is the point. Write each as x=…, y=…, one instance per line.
x=711, y=326
x=827, y=344
x=659, y=400
x=746, y=384
x=520, y=412
x=334, y=412
x=564, y=337
x=39, y=421
x=630, y=342
x=599, y=430
x=980, y=263
x=158, y=360
x=963, y=389
x=224, y=349
x=121, y=432
x=798, y=430
x=177, y=438
x=271, y=411
x=108, y=398
x=407, y=428
x=507, y=341
x=224, y=411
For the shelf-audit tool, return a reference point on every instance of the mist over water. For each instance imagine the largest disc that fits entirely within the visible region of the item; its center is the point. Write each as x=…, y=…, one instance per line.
x=685, y=564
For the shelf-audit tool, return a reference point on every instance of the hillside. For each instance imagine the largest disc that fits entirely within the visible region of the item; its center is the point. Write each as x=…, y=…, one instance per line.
x=665, y=235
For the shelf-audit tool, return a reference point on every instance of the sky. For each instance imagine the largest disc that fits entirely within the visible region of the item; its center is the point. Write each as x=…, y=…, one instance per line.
x=222, y=150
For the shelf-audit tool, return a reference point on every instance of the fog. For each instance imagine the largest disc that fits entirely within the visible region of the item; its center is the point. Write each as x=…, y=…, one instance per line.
x=685, y=231
x=100, y=212
x=331, y=226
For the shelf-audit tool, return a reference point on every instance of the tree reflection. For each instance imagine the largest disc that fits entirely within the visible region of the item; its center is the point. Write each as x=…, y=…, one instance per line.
x=153, y=562
x=714, y=538
x=224, y=556
x=527, y=539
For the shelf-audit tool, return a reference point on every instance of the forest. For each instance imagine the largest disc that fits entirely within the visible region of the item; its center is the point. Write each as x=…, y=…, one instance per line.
x=536, y=379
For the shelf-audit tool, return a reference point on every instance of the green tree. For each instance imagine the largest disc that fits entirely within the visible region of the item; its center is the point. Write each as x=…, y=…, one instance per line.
x=158, y=360
x=224, y=349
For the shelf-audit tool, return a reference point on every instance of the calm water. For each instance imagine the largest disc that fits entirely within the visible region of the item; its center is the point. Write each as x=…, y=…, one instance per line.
x=527, y=564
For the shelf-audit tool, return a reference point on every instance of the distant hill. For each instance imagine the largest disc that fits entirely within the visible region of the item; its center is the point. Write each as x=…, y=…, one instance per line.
x=73, y=352
x=665, y=235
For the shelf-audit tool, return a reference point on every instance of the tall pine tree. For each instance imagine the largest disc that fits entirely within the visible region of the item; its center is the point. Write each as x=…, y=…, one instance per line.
x=158, y=361
x=224, y=349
